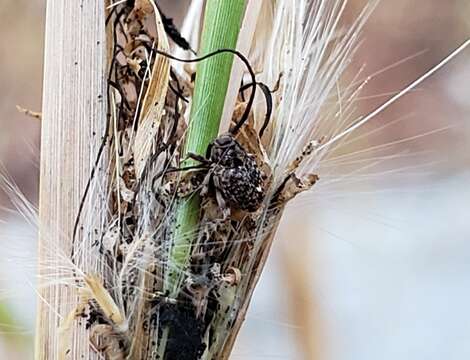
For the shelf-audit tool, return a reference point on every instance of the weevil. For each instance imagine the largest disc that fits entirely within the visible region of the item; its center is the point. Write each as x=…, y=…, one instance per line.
x=233, y=174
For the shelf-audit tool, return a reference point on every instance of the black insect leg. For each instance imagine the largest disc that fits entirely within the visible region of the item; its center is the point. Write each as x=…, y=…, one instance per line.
x=198, y=157
x=221, y=201
x=205, y=184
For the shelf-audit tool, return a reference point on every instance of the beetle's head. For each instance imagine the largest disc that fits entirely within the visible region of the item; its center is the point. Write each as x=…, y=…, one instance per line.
x=224, y=147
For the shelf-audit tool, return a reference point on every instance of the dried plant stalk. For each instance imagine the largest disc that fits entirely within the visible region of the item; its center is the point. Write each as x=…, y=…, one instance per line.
x=74, y=114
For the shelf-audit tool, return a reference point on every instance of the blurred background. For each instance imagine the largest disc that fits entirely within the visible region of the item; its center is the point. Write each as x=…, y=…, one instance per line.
x=375, y=266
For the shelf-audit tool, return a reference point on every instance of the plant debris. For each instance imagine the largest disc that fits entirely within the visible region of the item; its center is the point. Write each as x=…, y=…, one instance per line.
x=27, y=112
x=132, y=316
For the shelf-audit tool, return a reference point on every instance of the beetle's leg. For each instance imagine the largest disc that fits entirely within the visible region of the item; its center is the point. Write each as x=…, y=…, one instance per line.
x=222, y=205
x=220, y=200
x=197, y=157
x=156, y=181
x=205, y=184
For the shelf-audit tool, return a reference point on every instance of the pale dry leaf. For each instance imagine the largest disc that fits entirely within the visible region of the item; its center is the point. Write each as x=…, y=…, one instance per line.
x=154, y=101
x=105, y=301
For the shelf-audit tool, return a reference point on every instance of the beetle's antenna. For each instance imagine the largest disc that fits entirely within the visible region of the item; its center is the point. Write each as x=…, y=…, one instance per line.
x=246, y=113
x=269, y=103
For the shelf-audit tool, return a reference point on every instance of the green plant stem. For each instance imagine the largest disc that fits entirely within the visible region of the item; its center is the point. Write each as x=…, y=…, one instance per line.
x=222, y=22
